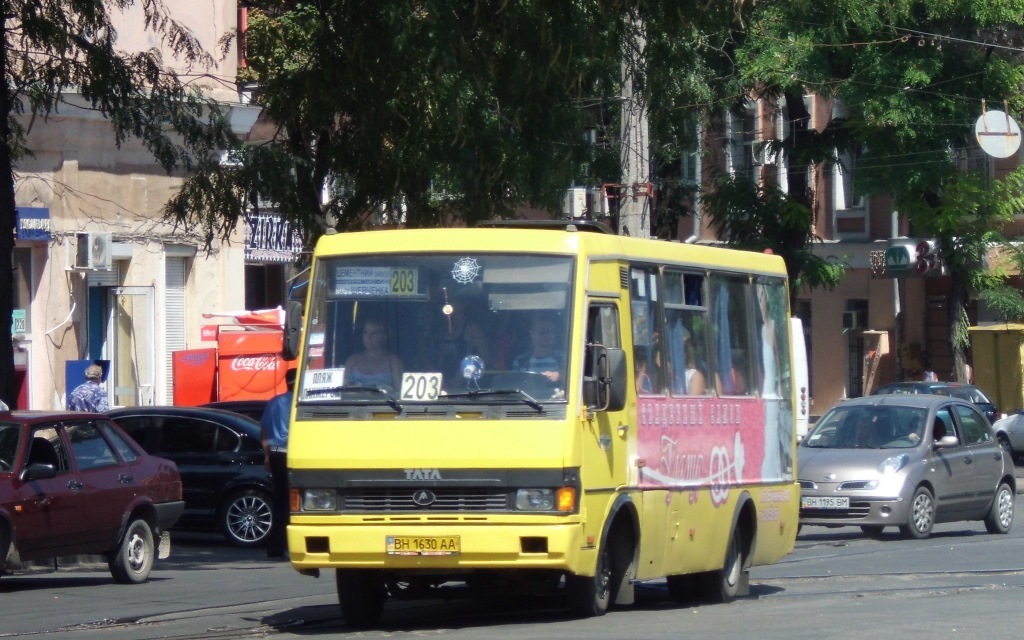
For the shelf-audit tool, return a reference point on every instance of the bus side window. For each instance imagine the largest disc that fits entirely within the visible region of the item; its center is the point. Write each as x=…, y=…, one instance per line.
x=685, y=319
x=602, y=329
x=645, y=320
x=731, y=310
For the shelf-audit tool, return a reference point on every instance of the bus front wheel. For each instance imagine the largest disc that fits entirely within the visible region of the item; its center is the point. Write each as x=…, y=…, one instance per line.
x=361, y=594
x=589, y=596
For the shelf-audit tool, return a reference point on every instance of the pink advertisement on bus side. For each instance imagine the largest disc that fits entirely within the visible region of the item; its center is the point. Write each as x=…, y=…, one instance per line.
x=691, y=443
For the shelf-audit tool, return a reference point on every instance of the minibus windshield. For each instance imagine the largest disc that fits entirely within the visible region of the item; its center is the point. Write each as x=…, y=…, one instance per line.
x=438, y=328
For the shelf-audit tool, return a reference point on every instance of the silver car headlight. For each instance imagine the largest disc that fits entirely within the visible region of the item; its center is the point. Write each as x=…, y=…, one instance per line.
x=319, y=500
x=893, y=464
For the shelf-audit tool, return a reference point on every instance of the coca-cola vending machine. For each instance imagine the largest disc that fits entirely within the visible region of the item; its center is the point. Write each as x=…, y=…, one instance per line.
x=195, y=377
x=249, y=363
x=245, y=365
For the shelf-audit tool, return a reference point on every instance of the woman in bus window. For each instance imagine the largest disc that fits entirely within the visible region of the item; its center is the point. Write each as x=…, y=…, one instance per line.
x=374, y=366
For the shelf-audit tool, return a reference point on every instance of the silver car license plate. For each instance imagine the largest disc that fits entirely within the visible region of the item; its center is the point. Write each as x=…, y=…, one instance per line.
x=815, y=502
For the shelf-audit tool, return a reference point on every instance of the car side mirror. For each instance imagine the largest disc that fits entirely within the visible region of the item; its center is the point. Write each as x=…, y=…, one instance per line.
x=38, y=471
x=947, y=441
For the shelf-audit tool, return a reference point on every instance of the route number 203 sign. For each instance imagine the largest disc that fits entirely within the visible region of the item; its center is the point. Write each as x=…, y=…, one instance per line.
x=421, y=386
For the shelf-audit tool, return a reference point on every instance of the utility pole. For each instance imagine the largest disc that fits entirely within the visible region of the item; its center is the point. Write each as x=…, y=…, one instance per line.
x=634, y=156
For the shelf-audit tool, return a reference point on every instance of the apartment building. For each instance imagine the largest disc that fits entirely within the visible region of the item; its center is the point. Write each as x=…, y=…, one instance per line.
x=98, y=273
x=877, y=325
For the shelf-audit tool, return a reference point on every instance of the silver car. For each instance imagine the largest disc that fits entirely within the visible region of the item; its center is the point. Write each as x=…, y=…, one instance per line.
x=906, y=461
x=1010, y=432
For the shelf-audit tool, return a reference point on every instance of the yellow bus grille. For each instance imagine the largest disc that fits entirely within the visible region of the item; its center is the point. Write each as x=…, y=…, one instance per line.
x=456, y=500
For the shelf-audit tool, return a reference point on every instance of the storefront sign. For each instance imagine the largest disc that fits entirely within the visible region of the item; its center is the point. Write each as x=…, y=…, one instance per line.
x=33, y=223
x=269, y=238
x=908, y=257
x=19, y=322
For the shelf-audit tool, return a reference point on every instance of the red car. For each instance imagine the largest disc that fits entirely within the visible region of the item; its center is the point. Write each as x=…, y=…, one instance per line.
x=75, y=483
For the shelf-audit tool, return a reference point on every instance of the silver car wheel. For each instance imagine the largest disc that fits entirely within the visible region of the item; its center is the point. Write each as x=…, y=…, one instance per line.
x=248, y=517
x=1005, y=508
x=1000, y=516
x=922, y=515
x=924, y=509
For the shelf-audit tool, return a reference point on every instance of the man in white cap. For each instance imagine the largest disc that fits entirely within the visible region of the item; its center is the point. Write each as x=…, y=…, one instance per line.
x=90, y=395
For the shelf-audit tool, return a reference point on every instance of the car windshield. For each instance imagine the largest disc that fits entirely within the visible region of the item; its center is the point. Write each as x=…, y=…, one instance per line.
x=437, y=328
x=8, y=445
x=868, y=427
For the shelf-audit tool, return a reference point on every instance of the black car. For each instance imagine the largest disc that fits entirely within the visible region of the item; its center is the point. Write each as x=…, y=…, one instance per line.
x=220, y=459
x=967, y=392
x=251, y=408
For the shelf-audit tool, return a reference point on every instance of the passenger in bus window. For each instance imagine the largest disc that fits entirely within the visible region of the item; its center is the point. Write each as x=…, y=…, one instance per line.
x=374, y=366
x=643, y=378
x=687, y=374
x=734, y=376
x=543, y=356
x=696, y=385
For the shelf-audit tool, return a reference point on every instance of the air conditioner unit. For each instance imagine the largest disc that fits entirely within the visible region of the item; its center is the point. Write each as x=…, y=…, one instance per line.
x=574, y=202
x=853, y=320
x=93, y=251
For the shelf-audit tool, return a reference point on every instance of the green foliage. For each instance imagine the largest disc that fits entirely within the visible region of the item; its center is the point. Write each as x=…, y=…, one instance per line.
x=55, y=48
x=427, y=110
x=764, y=218
x=1006, y=301
x=911, y=76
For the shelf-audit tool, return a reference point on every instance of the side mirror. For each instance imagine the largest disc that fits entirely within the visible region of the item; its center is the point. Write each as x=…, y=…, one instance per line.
x=947, y=441
x=617, y=384
x=37, y=471
x=604, y=382
x=292, y=331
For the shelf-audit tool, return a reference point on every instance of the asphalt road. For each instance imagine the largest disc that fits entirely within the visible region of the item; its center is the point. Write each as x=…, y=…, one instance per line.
x=960, y=583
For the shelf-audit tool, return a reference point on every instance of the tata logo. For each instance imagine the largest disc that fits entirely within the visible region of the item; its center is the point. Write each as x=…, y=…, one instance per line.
x=422, y=474
x=424, y=498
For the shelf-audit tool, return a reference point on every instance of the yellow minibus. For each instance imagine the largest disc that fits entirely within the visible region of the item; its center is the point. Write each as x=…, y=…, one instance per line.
x=543, y=406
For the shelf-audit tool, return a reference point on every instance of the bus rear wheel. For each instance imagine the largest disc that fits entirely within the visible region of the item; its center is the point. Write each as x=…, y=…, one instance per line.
x=723, y=585
x=361, y=594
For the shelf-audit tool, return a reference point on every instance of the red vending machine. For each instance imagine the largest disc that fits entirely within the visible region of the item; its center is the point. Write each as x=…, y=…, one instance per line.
x=195, y=377
x=249, y=363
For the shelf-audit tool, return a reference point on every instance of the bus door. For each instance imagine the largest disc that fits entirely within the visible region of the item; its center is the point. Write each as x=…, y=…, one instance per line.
x=609, y=438
x=606, y=450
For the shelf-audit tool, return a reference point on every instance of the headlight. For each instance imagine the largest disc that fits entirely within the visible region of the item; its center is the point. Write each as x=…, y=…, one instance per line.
x=319, y=500
x=893, y=463
x=562, y=499
x=535, y=500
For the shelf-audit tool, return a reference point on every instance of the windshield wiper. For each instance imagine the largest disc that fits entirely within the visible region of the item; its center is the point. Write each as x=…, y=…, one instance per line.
x=523, y=397
x=388, y=398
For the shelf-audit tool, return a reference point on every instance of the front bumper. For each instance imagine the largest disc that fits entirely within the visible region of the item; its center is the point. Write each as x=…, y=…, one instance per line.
x=484, y=545
x=863, y=510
